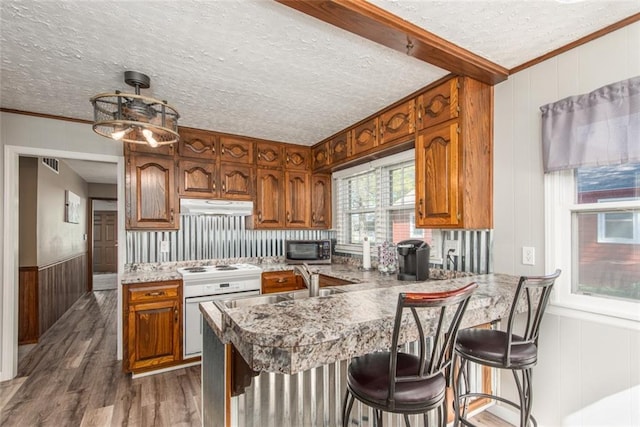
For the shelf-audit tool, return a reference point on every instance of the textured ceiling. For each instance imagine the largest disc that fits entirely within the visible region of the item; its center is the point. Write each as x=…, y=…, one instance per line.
x=256, y=67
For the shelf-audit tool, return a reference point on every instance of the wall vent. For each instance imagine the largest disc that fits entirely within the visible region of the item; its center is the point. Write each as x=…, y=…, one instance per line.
x=53, y=164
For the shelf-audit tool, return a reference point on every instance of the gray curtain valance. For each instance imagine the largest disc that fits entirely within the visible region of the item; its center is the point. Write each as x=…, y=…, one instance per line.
x=595, y=129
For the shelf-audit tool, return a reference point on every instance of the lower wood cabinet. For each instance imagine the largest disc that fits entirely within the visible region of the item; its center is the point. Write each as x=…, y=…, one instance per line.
x=152, y=325
x=281, y=281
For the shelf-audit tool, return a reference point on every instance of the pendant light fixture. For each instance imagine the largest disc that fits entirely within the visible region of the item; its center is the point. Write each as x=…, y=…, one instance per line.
x=135, y=118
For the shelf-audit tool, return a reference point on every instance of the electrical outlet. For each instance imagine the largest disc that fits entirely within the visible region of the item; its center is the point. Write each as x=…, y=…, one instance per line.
x=164, y=246
x=528, y=255
x=453, y=245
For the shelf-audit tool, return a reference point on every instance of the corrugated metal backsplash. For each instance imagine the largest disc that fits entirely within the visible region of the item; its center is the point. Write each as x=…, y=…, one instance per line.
x=212, y=237
x=475, y=248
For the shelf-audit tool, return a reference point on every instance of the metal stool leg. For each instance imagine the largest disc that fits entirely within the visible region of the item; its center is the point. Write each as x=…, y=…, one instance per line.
x=346, y=408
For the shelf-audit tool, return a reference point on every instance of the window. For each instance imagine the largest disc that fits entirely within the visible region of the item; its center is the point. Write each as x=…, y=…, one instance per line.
x=377, y=200
x=594, y=222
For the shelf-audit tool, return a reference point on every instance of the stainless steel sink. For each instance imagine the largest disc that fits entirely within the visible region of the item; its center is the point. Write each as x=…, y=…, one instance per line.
x=323, y=292
x=243, y=302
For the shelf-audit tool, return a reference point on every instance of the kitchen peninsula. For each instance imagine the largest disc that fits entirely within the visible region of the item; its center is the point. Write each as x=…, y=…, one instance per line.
x=300, y=336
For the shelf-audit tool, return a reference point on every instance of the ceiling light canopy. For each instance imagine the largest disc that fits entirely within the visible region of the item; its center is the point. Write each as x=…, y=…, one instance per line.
x=135, y=118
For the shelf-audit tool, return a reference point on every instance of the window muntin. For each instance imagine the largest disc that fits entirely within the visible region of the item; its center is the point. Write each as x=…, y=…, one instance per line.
x=379, y=202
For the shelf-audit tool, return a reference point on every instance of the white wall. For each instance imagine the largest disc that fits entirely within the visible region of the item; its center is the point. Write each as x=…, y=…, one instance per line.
x=33, y=136
x=581, y=362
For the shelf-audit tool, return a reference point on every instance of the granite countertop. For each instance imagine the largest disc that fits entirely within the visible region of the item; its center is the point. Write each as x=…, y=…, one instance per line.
x=296, y=335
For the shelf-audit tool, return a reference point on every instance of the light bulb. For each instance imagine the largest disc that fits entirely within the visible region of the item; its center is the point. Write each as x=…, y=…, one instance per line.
x=149, y=137
x=118, y=135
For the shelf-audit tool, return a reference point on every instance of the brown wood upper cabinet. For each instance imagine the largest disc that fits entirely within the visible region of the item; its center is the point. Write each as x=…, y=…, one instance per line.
x=364, y=137
x=269, y=154
x=320, y=201
x=236, y=150
x=151, y=193
x=397, y=123
x=297, y=157
x=320, y=156
x=454, y=175
x=297, y=203
x=198, y=179
x=339, y=147
x=162, y=150
x=236, y=181
x=198, y=144
x=152, y=320
x=439, y=104
x=269, y=210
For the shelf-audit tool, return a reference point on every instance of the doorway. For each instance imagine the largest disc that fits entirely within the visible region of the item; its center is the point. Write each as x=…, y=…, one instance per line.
x=104, y=250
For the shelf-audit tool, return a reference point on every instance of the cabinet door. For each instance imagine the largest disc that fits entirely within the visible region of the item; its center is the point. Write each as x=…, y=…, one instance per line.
x=338, y=147
x=320, y=157
x=197, y=144
x=269, y=211
x=269, y=154
x=364, y=137
x=197, y=179
x=438, y=104
x=297, y=205
x=437, y=177
x=153, y=334
x=236, y=181
x=297, y=157
x=162, y=150
x=321, y=201
x=397, y=123
x=151, y=193
x=236, y=150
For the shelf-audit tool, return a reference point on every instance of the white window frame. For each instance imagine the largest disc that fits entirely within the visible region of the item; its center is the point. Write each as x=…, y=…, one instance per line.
x=396, y=159
x=602, y=225
x=560, y=205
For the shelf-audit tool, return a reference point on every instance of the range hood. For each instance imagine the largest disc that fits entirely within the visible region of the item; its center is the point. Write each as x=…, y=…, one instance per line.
x=215, y=207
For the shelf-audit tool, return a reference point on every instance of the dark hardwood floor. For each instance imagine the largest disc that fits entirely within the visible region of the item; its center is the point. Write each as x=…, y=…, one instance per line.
x=72, y=378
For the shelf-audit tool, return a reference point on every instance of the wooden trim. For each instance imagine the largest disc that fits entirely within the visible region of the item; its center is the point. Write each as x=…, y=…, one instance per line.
x=45, y=116
x=380, y=26
x=586, y=39
x=28, y=319
x=227, y=383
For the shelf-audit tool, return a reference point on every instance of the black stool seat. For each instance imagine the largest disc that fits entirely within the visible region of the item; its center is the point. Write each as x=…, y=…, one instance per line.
x=515, y=349
x=402, y=383
x=490, y=347
x=368, y=378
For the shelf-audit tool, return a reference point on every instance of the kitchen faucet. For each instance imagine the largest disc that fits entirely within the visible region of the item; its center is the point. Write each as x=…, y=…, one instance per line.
x=311, y=280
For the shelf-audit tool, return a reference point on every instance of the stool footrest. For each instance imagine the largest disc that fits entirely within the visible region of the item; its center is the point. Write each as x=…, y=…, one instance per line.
x=465, y=396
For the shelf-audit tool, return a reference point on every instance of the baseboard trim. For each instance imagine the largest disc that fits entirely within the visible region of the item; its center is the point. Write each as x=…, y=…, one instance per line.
x=163, y=370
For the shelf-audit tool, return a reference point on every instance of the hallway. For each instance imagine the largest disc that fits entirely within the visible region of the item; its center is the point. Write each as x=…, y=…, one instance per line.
x=71, y=378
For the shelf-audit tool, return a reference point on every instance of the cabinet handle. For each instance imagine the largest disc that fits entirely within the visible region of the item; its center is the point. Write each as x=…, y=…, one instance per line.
x=214, y=185
x=222, y=149
x=259, y=156
x=420, y=112
x=420, y=208
x=288, y=158
x=154, y=294
x=213, y=149
x=260, y=216
x=224, y=188
x=171, y=214
x=288, y=216
x=313, y=217
x=282, y=280
x=175, y=314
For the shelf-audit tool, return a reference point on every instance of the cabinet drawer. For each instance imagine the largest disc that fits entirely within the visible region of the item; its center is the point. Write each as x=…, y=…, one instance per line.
x=332, y=281
x=280, y=281
x=438, y=104
x=140, y=293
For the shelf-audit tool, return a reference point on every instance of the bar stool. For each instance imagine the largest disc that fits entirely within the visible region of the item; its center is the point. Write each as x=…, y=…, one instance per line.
x=515, y=349
x=402, y=383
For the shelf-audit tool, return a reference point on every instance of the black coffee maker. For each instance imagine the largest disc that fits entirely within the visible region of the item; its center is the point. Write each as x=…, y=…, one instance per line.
x=413, y=258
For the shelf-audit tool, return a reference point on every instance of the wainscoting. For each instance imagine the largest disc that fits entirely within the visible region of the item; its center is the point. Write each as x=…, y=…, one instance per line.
x=46, y=293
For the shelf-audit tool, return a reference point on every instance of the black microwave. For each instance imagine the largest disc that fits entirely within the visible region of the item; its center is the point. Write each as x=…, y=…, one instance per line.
x=307, y=251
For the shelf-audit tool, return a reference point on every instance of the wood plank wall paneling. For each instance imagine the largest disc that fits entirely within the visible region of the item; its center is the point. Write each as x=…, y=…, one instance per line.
x=59, y=286
x=28, y=305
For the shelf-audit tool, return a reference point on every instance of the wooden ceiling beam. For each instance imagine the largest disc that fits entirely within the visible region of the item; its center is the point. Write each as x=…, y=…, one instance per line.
x=378, y=25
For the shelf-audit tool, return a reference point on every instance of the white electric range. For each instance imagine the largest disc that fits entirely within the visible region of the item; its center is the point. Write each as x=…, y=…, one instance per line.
x=208, y=283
